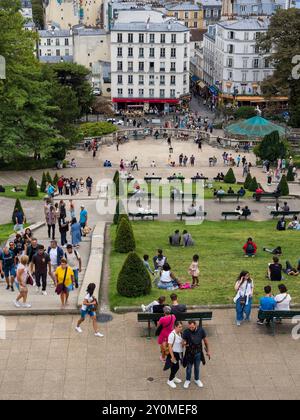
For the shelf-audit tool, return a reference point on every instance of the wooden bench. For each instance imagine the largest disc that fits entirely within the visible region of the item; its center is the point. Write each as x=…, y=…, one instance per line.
x=235, y=213
x=196, y=214
x=184, y=316
x=258, y=197
x=284, y=213
x=142, y=215
x=235, y=195
x=176, y=178
x=273, y=315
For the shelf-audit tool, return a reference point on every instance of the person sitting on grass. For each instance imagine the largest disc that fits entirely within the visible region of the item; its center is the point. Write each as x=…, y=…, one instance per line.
x=175, y=239
x=281, y=225
x=294, y=223
x=159, y=260
x=187, y=239
x=290, y=270
x=250, y=248
x=275, y=251
x=147, y=265
x=275, y=270
x=167, y=279
x=267, y=303
x=156, y=306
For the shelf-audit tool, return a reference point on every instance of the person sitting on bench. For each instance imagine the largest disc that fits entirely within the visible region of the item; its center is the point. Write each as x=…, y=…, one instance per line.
x=246, y=211
x=267, y=303
x=220, y=191
x=241, y=192
x=159, y=260
x=191, y=209
x=275, y=251
x=275, y=270
x=167, y=279
x=250, y=248
x=285, y=207
x=281, y=225
x=259, y=190
x=283, y=299
x=176, y=306
x=230, y=191
x=175, y=239
x=156, y=306
x=290, y=270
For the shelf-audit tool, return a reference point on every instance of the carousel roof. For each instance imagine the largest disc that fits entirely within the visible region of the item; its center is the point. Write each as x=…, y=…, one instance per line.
x=254, y=127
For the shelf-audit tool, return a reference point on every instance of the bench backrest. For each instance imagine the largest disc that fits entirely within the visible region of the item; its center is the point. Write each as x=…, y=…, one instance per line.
x=182, y=316
x=279, y=314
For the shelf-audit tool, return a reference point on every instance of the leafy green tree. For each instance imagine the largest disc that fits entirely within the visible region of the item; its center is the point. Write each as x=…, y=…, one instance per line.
x=125, y=241
x=134, y=279
x=245, y=112
x=271, y=147
x=281, y=44
x=284, y=186
x=253, y=185
x=248, y=181
x=229, y=177
x=32, y=190
x=38, y=13
x=18, y=206
x=97, y=129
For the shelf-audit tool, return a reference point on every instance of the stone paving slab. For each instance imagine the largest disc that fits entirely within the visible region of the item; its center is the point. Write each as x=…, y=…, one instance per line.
x=119, y=365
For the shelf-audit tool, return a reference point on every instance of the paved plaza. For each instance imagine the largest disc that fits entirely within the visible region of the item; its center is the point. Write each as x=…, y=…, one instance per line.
x=44, y=358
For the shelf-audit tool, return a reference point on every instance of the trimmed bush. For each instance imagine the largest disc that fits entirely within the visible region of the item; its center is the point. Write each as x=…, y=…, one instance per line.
x=43, y=182
x=18, y=206
x=125, y=241
x=123, y=216
x=119, y=185
x=229, y=177
x=248, y=181
x=49, y=179
x=253, y=185
x=55, y=180
x=283, y=186
x=119, y=210
x=32, y=190
x=290, y=176
x=134, y=280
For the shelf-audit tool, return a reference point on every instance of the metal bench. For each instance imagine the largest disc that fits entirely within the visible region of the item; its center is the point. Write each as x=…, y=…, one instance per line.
x=190, y=215
x=284, y=213
x=272, y=316
x=143, y=215
x=258, y=197
x=232, y=196
x=236, y=214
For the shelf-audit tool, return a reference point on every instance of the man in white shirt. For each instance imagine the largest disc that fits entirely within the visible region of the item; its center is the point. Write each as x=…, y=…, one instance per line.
x=55, y=253
x=74, y=261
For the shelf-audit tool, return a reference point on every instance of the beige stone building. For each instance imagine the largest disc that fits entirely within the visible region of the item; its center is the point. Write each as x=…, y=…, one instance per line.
x=191, y=14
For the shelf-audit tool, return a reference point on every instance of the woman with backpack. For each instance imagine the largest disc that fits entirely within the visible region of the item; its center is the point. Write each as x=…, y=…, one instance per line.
x=243, y=300
x=250, y=248
x=164, y=329
x=89, y=307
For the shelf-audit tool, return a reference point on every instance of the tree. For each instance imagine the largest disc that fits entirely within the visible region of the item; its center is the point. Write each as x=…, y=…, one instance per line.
x=43, y=183
x=123, y=216
x=55, y=180
x=97, y=129
x=253, y=185
x=38, y=13
x=18, y=206
x=283, y=186
x=119, y=210
x=290, y=175
x=32, y=190
x=271, y=147
x=229, y=177
x=134, y=279
x=248, y=181
x=125, y=241
x=49, y=179
x=245, y=112
x=281, y=45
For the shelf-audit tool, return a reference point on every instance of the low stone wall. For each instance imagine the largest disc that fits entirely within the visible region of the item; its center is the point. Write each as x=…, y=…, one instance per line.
x=93, y=273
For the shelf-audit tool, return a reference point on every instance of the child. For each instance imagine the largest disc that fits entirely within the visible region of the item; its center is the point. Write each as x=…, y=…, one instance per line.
x=89, y=308
x=194, y=271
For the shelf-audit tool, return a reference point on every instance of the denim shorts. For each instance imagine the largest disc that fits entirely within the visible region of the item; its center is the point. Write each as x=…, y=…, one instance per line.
x=9, y=271
x=86, y=312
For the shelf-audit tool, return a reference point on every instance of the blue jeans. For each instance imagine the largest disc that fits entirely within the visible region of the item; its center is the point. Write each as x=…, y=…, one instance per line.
x=240, y=310
x=196, y=364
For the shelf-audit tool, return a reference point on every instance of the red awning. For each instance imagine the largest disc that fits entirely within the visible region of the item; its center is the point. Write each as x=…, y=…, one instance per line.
x=143, y=100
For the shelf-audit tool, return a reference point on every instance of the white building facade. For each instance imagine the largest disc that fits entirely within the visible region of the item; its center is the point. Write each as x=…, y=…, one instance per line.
x=149, y=62
x=55, y=45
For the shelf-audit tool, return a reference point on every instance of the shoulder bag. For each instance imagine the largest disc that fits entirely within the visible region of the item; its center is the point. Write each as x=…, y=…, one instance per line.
x=61, y=287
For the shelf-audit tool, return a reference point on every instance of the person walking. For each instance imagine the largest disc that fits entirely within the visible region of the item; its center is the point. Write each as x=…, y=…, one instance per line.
x=51, y=221
x=89, y=184
x=165, y=327
x=83, y=217
x=21, y=278
x=74, y=261
x=60, y=185
x=175, y=354
x=63, y=229
x=89, y=307
x=8, y=267
x=193, y=339
x=75, y=232
x=40, y=264
x=194, y=271
x=243, y=300
x=55, y=253
x=64, y=279
x=72, y=209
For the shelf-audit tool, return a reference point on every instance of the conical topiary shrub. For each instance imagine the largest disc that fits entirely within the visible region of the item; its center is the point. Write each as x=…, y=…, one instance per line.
x=248, y=181
x=32, y=190
x=119, y=210
x=283, y=186
x=290, y=175
x=125, y=241
x=18, y=206
x=55, y=180
x=49, y=179
x=253, y=185
x=43, y=182
x=229, y=177
x=134, y=280
x=123, y=216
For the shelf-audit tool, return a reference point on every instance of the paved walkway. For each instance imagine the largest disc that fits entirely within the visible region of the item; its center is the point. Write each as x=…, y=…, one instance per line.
x=57, y=363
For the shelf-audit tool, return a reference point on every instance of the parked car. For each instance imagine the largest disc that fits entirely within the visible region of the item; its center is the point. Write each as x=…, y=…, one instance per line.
x=97, y=91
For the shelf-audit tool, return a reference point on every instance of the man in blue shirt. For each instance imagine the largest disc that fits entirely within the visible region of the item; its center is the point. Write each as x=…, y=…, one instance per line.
x=83, y=217
x=267, y=303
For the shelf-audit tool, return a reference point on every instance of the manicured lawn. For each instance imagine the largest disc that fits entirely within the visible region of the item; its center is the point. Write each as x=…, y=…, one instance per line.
x=219, y=245
x=5, y=232
x=21, y=195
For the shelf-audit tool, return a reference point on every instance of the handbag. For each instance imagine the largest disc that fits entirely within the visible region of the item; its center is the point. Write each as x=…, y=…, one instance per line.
x=29, y=280
x=61, y=287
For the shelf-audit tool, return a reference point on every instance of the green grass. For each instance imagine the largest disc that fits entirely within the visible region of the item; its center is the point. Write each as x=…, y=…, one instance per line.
x=219, y=245
x=6, y=231
x=21, y=195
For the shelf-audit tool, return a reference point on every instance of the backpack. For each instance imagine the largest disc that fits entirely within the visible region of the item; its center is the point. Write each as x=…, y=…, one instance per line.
x=250, y=248
x=76, y=255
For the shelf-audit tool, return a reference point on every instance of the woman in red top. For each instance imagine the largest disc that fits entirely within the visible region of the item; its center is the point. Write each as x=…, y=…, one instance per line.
x=167, y=322
x=60, y=185
x=250, y=248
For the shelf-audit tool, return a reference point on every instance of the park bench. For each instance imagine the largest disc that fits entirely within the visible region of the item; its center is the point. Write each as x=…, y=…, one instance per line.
x=284, y=213
x=235, y=195
x=184, y=316
x=218, y=179
x=235, y=213
x=152, y=178
x=176, y=178
x=258, y=197
x=143, y=215
x=199, y=178
x=273, y=315
x=190, y=215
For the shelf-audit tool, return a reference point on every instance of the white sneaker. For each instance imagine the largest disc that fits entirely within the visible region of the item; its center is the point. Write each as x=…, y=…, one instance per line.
x=238, y=323
x=44, y=293
x=17, y=304
x=26, y=305
x=177, y=380
x=143, y=308
x=78, y=329
x=99, y=334
x=199, y=383
x=171, y=384
x=186, y=384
